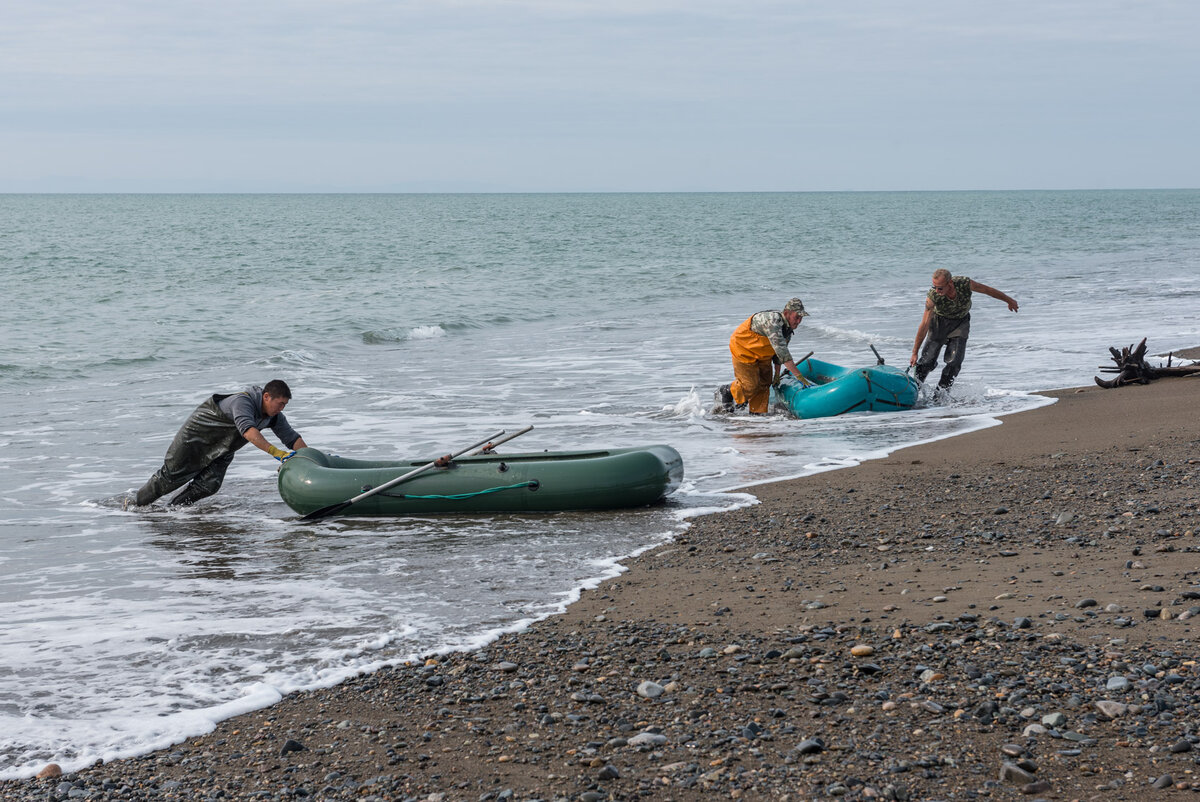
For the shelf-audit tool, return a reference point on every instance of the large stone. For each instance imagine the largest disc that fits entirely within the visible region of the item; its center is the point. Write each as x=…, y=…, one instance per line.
x=291, y=745
x=810, y=746
x=1011, y=773
x=1117, y=683
x=1054, y=720
x=647, y=739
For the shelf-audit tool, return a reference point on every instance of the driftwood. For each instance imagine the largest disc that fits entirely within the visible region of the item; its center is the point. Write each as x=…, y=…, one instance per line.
x=1132, y=368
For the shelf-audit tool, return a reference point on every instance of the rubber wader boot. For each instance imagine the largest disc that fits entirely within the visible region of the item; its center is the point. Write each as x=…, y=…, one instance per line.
x=190, y=495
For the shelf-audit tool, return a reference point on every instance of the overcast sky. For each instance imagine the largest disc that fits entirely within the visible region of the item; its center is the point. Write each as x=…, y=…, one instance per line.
x=597, y=95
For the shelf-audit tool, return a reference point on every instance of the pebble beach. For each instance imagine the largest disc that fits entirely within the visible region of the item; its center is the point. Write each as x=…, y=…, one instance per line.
x=1007, y=614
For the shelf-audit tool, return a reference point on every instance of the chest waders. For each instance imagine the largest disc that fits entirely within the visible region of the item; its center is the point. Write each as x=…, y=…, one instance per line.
x=200, y=454
x=753, y=355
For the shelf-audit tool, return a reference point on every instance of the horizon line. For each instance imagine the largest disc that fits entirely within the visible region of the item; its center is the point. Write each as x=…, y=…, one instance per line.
x=594, y=191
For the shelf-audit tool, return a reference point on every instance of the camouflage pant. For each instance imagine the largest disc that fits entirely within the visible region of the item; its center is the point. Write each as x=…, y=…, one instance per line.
x=951, y=333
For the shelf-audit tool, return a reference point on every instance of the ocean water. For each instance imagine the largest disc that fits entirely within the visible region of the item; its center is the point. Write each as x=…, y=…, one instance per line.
x=410, y=325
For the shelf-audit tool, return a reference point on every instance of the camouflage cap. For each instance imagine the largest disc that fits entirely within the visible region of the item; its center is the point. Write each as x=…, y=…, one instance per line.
x=795, y=305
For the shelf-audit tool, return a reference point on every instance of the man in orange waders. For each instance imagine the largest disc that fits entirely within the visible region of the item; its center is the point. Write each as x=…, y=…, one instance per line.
x=762, y=340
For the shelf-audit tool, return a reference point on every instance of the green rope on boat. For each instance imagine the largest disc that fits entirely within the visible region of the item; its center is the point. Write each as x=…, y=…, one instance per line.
x=463, y=496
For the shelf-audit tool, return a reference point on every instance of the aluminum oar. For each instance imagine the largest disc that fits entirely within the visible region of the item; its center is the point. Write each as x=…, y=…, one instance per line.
x=490, y=446
x=333, y=509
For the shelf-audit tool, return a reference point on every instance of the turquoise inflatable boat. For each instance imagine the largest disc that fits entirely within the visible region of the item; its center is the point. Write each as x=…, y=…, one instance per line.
x=837, y=390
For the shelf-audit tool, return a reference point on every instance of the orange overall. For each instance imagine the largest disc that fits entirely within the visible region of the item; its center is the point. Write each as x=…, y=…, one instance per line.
x=752, y=355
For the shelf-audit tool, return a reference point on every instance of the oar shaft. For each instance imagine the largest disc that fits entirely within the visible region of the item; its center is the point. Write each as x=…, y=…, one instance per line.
x=422, y=469
x=494, y=443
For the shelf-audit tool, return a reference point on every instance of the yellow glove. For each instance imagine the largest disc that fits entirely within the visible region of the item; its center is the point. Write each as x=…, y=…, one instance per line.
x=279, y=453
x=804, y=382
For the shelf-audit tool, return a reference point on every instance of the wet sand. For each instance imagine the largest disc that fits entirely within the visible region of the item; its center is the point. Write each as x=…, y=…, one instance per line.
x=1007, y=614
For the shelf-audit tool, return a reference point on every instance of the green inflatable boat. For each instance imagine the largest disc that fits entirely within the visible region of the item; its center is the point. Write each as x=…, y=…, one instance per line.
x=545, y=481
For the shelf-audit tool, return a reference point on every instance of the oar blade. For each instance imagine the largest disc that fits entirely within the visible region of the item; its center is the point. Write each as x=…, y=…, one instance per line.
x=325, y=512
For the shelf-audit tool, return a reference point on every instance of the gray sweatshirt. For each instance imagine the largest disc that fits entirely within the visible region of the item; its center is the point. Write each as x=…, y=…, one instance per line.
x=246, y=412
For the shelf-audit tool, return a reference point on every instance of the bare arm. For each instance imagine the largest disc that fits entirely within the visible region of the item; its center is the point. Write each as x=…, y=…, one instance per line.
x=922, y=330
x=994, y=293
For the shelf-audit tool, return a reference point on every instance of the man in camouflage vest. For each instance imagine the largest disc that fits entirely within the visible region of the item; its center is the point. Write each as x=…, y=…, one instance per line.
x=947, y=322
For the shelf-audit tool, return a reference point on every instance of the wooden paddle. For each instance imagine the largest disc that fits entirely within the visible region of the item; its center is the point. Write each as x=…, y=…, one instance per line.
x=333, y=509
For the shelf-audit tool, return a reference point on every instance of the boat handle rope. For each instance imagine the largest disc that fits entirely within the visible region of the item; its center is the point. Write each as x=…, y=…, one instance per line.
x=532, y=485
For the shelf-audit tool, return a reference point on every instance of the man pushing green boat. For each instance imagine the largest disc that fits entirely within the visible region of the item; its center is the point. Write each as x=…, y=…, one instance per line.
x=204, y=446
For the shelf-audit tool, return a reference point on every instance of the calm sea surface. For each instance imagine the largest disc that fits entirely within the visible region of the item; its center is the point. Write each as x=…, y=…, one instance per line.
x=410, y=325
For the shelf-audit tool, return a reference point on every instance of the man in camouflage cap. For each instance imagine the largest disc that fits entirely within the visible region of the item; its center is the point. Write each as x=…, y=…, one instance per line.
x=756, y=345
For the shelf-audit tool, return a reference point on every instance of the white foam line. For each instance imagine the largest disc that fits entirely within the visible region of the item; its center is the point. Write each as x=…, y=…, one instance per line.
x=981, y=421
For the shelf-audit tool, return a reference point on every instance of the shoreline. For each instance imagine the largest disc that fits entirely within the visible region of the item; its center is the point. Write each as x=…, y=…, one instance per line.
x=858, y=645
x=1052, y=393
